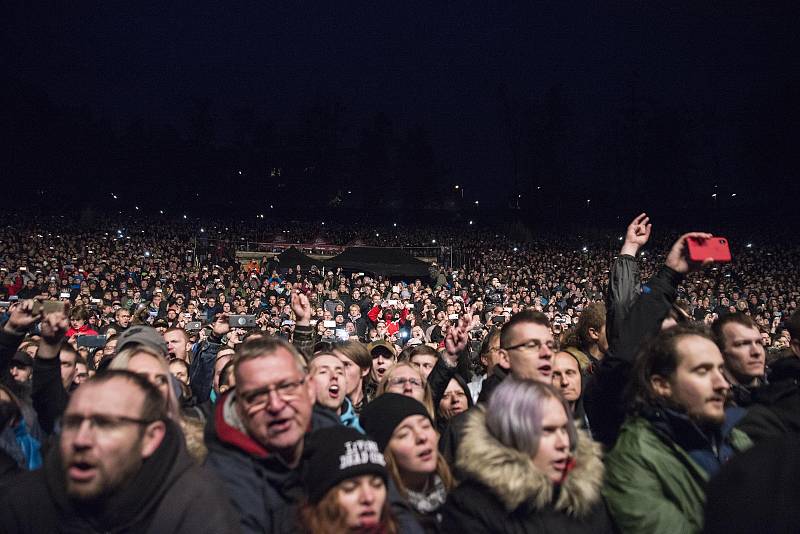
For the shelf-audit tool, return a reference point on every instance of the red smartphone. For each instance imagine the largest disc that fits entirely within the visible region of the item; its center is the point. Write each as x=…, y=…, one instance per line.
x=715, y=248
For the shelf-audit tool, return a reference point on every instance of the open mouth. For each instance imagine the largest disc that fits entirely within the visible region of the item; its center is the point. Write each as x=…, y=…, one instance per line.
x=279, y=425
x=545, y=370
x=81, y=471
x=560, y=464
x=333, y=391
x=425, y=455
x=380, y=370
x=368, y=518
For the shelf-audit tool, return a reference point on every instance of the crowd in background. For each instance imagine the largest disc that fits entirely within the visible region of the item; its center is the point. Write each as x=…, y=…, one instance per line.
x=412, y=397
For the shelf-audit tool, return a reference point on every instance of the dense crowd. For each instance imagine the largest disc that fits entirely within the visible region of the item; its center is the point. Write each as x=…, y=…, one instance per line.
x=152, y=381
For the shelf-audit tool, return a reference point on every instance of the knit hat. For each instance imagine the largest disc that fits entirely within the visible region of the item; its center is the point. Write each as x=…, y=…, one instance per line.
x=380, y=417
x=142, y=335
x=21, y=359
x=334, y=454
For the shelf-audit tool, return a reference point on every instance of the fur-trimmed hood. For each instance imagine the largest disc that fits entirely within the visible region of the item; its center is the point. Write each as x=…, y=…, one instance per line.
x=513, y=478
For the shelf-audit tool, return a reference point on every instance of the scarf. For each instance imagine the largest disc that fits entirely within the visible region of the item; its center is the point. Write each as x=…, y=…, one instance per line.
x=130, y=508
x=427, y=502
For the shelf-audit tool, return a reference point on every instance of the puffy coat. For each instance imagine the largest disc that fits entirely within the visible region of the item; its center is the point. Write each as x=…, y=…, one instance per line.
x=504, y=492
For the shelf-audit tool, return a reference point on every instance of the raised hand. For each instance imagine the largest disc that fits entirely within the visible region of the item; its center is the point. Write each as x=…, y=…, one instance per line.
x=301, y=308
x=53, y=328
x=637, y=235
x=22, y=317
x=457, y=338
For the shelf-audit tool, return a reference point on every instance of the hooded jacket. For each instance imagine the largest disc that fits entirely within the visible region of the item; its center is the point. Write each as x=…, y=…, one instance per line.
x=659, y=469
x=169, y=493
x=504, y=492
x=261, y=486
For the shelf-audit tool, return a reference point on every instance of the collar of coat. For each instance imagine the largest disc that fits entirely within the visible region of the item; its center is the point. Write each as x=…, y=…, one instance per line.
x=231, y=430
x=513, y=478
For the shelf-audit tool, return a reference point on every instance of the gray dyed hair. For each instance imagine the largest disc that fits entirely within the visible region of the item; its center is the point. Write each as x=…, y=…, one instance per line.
x=515, y=411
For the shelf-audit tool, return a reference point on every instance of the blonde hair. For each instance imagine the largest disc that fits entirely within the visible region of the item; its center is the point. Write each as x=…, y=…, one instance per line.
x=192, y=430
x=123, y=359
x=427, y=396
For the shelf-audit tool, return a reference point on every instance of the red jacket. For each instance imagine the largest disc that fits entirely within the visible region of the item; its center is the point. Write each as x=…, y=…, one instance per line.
x=15, y=288
x=85, y=330
x=392, y=326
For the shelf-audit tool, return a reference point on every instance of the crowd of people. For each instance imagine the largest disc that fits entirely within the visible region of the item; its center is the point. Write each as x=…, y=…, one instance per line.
x=154, y=383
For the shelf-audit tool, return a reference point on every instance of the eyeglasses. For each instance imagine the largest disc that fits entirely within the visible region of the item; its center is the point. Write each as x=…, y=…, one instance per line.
x=286, y=391
x=401, y=381
x=100, y=422
x=533, y=345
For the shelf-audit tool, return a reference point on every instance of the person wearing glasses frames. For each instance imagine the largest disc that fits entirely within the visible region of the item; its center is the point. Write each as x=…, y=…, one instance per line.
x=405, y=379
x=256, y=436
x=120, y=465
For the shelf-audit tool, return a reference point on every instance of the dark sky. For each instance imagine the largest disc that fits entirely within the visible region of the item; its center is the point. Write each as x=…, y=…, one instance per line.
x=441, y=64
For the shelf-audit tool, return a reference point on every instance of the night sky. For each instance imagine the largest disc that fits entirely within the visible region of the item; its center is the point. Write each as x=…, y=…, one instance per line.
x=471, y=73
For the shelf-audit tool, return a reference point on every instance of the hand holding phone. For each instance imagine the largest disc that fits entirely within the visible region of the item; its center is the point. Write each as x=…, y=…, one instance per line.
x=715, y=248
x=678, y=258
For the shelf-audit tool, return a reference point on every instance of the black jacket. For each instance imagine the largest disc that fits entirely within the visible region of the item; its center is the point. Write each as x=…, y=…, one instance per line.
x=775, y=407
x=492, y=381
x=168, y=494
x=504, y=493
x=201, y=370
x=603, y=399
x=757, y=491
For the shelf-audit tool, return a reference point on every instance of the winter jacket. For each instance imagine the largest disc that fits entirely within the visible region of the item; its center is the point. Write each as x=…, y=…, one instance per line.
x=603, y=398
x=261, y=486
x=775, y=407
x=655, y=485
x=392, y=325
x=201, y=368
x=757, y=491
x=168, y=494
x=623, y=288
x=49, y=396
x=492, y=381
x=503, y=491
x=85, y=330
x=304, y=338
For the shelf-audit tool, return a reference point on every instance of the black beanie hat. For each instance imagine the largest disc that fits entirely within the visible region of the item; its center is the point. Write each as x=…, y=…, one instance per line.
x=332, y=455
x=380, y=417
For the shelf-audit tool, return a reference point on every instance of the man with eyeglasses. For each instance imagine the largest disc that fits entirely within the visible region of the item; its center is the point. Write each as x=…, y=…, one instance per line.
x=526, y=348
x=255, y=439
x=120, y=465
